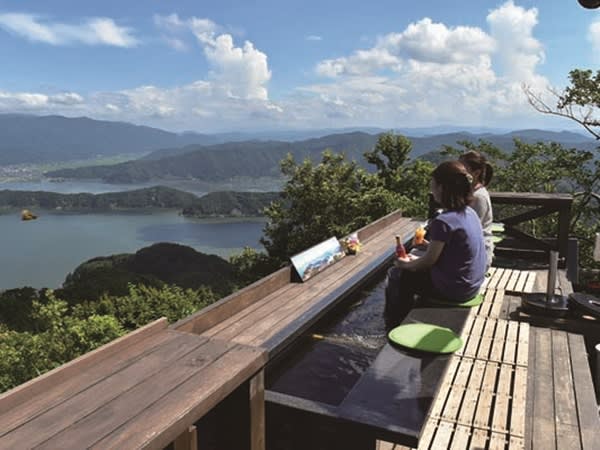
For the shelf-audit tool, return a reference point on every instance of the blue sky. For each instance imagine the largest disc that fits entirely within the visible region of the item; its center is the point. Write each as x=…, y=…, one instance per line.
x=237, y=65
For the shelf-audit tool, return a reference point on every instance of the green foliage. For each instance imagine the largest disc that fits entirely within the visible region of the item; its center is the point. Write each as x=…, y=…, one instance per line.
x=154, y=197
x=144, y=304
x=252, y=265
x=16, y=306
x=398, y=174
x=328, y=199
x=62, y=337
x=230, y=203
x=155, y=265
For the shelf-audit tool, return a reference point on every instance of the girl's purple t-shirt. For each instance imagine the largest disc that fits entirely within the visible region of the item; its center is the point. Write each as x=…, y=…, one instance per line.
x=460, y=270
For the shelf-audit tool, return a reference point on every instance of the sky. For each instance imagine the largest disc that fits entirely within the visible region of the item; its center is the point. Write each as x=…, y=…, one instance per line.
x=217, y=66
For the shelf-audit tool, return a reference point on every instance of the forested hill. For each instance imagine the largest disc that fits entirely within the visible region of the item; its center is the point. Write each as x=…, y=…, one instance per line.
x=226, y=203
x=262, y=158
x=41, y=139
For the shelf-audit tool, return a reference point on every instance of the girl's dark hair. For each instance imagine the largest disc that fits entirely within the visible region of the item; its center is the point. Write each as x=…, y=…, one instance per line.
x=476, y=161
x=454, y=179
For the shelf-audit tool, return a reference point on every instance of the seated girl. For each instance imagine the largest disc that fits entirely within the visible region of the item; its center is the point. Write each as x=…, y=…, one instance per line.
x=482, y=173
x=454, y=263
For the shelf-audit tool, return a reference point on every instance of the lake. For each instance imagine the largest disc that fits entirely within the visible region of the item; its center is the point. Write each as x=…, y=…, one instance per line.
x=40, y=253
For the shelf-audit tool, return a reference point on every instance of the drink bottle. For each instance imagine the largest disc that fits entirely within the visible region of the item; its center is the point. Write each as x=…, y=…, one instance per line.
x=400, y=250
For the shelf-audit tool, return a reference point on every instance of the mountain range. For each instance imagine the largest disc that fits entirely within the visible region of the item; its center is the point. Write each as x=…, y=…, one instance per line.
x=256, y=158
x=41, y=139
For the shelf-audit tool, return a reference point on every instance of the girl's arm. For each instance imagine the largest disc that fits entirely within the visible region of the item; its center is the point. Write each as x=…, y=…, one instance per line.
x=434, y=250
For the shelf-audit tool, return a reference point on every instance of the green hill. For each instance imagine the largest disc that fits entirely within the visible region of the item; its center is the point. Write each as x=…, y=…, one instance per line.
x=230, y=203
x=154, y=265
x=261, y=158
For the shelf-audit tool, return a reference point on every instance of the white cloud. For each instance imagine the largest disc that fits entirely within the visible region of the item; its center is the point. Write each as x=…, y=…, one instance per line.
x=313, y=37
x=518, y=52
x=427, y=73
x=236, y=71
x=594, y=37
x=95, y=31
x=430, y=72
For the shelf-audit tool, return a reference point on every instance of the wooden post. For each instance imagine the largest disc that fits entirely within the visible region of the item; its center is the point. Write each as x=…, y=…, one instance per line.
x=188, y=440
x=564, y=216
x=257, y=411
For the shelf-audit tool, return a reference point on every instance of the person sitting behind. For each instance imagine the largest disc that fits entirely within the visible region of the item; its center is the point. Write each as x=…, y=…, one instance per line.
x=454, y=263
x=482, y=173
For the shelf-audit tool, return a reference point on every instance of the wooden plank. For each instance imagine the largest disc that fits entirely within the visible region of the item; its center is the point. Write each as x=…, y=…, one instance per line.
x=478, y=439
x=497, y=304
x=371, y=230
x=544, y=429
x=502, y=399
x=257, y=411
x=460, y=440
x=565, y=412
x=442, y=435
x=213, y=314
x=267, y=303
x=467, y=411
x=87, y=401
x=504, y=280
x=530, y=283
x=473, y=341
x=516, y=443
x=38, y=385
x=493, y=283
x=444, y=389
x=187, y=440
x=499, y=341
x=158, y=409
x=531, y=367
x=483, y=414
x=512, y=283
x=427, y=434
x=497, y=441
x=510, y=347
x=520, y=285
x=486, y=340
x=589, y=423
x=38, y=404
x=519, y=403
x=383, y=445
x=523, y=345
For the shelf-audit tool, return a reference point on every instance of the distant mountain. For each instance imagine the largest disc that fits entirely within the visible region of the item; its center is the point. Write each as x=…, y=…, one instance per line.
x=229, y=203
x=222, y=204
x=262, y=158
x=154, y=197
x=41, y=139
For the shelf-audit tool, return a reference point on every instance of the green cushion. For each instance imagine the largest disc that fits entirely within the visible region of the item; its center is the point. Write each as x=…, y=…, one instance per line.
x=426, y=337
x=475, y=301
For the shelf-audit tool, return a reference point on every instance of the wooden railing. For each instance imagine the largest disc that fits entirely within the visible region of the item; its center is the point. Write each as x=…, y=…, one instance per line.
x=540, y=205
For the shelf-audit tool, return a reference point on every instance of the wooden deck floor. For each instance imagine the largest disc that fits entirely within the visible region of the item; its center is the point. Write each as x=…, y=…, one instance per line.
x=513, y=385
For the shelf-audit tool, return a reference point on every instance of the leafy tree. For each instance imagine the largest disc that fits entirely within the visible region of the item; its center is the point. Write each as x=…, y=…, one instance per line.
x=399, y=174
x=580, y=101
x=252, y=265
x=62, y=337
x=144, y=304
x=331, y=198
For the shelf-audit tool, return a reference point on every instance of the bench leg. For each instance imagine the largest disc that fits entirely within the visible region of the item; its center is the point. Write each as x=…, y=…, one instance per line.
x=187, y=440
x=257, y=411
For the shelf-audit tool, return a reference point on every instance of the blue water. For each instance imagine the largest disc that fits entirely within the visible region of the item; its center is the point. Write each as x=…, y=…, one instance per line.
x=42, y=252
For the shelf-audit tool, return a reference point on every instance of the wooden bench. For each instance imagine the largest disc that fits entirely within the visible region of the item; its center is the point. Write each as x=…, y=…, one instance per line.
x=144, y=390
x=513, y=385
